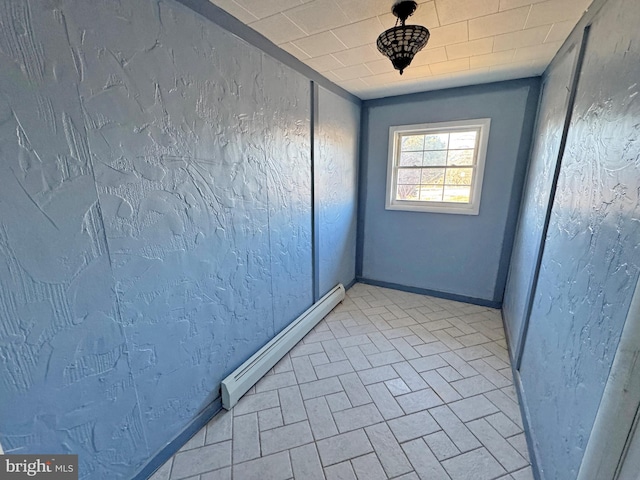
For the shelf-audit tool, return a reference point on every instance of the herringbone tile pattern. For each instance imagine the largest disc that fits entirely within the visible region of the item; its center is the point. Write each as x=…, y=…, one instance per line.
x=389, y=385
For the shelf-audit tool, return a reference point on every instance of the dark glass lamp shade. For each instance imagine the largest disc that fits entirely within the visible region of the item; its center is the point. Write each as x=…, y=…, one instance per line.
x=401, y=44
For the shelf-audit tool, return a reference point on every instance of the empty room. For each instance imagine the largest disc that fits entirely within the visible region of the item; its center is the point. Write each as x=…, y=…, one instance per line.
x=320, y=239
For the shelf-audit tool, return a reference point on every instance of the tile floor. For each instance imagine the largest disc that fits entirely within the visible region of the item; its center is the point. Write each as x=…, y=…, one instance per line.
x=389, y=385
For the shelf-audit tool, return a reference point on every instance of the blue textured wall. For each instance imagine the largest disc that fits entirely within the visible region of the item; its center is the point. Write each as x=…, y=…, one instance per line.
x=335, y=161
x=455, y=254
x=535, y=200
x=591, y=260
x=155, y=221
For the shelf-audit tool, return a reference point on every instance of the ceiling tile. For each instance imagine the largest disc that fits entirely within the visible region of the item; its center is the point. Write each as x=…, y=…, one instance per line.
x=331, y=76
x=509, y=4
x=236, y=10
x=452, y=11
x=354, y=85
x=317, y=16
x=492, y=59
x=265, y=8
x=447, y=35
x=498, y=23
x=436, y=78
x=383, y=78
x=505, y=69
x=360, y=91
x=434, y=83
x=372, y=80
x=358, y=10
x=450, y=66
x=546, y=51
x=560, y=31
x=523, y=38
x=404, y=87
x=467, y=77
x=380, y=66
x=424, y=15
x=416, y=72
x=519, y=71
x=278, y=28
x=353, y=71
x=556, y=11
x=469, y=49
x=434, y=55
x=360, y=33
x=324, y=63
x=476, y=71
x=472, y=40
x=293, y=50
x=363, y=54
x=320, y=44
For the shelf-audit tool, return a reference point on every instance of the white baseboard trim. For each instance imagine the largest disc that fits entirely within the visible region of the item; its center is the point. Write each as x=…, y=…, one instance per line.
x=246, y=376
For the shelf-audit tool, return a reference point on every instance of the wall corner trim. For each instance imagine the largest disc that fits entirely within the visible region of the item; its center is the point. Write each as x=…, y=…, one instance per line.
x=534, y=455
x=575, y=82
x=183, y=437
x=432, y=293
x=619, y=406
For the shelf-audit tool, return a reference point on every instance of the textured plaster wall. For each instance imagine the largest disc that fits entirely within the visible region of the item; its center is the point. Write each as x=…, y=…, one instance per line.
x=155, y=221
x=335, y=160
x=455, y=254
x=535, y=200
x=591, y=262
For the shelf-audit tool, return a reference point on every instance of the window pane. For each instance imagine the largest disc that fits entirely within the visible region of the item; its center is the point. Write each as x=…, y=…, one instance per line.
x=431, y=193
x=408, y=176
x=436, y=142
x=457, y=194
x=460, y=140
x=410, y=159
x=407, y=192
x=460, y=157
x=435, y=159
x=459, y=176
x=437, y=167
x=412, y=143
x=434, y=176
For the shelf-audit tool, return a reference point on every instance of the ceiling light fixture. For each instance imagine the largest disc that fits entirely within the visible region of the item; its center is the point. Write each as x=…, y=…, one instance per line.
x=402, y=42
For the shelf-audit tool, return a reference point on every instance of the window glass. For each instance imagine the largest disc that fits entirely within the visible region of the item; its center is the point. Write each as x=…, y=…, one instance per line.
x=437, y=167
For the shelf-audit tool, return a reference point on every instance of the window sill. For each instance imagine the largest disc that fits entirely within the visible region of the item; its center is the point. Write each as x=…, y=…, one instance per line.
x=449, y=208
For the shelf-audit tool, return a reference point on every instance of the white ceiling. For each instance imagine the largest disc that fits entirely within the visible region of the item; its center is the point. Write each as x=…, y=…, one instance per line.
x=472, y=41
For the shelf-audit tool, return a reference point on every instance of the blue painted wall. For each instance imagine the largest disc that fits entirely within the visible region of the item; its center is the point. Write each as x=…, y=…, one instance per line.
x=454, y=254
x=155, y=221
x=591, y=260
x=336, y=190
x=535, y=199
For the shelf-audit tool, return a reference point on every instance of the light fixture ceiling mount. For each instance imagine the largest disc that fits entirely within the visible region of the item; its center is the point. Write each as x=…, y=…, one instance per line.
x=402, y=42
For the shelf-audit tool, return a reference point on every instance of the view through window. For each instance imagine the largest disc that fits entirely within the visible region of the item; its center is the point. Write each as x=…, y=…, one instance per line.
x=437, y=166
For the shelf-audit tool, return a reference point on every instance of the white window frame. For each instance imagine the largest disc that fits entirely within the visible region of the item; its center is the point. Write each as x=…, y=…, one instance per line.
x=471, y=208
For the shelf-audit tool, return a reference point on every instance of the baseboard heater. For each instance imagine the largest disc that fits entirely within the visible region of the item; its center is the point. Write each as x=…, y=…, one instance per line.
x=247, y=375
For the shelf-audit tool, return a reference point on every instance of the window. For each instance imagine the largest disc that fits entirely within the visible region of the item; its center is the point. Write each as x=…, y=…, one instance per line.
x=437, y=167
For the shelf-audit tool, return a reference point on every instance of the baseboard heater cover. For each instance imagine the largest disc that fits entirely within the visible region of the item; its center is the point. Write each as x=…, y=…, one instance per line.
x=248, y=374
